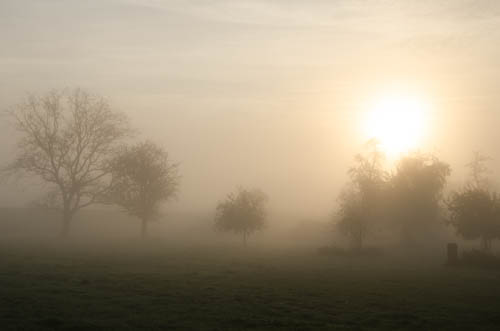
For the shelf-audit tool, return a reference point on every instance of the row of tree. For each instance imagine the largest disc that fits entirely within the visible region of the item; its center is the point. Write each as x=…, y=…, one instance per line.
x=74, y=142
x=411, y=199
x=77, y=145
x=80, y=148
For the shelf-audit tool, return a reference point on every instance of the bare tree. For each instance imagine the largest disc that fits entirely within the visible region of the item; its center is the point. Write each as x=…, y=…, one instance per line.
x=143, y=178
x=359, y=202
x=479, y=171
x=66, y=139
x=243, y=213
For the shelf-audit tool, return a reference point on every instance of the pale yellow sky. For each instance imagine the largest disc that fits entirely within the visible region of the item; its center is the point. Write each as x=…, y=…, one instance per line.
x=261, y=93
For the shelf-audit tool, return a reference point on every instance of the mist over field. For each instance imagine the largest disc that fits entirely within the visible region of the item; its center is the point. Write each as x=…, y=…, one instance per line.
x=261, y=94
x=249, y=164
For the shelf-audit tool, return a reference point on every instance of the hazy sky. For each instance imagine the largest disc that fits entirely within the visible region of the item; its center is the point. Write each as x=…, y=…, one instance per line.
x=265, y=94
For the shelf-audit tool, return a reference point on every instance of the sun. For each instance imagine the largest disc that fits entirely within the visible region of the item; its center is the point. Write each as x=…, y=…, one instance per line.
x=398, y=122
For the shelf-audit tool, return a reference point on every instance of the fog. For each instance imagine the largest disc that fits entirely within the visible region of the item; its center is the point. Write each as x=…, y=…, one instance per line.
x=291, y=165
x=260, y=94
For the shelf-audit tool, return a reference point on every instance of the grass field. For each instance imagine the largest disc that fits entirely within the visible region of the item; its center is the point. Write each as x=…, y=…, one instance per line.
x=155, y=285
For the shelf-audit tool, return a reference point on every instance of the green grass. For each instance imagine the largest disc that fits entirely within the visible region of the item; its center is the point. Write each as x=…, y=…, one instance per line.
x=120, y=286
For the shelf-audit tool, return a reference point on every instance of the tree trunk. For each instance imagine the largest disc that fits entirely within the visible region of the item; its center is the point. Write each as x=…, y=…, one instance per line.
x=144, y=228
x=244, y=238
x=486, y=244
x=452, y=253
x=66, y=223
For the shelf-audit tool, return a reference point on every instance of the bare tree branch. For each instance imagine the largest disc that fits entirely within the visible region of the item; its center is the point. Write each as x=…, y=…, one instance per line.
x=67, y=138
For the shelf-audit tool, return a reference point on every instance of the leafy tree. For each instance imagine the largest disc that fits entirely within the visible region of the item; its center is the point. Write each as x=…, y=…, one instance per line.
x=243, y=213
x=367, y=175
x=66, y=138
x=353, y=221
x=360, y=201
x=415, y=193
x=475, y=211
x=143, y=177
x=475, y=214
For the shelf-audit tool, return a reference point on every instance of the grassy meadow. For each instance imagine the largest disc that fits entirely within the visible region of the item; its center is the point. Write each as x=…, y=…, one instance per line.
x=157, y=285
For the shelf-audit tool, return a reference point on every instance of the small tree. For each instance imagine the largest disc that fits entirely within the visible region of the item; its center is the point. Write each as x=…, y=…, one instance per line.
x=66, y=139
x=353, y=221
x=415, y=194
x=475, y=211
x=475, y=214
x=243, y=213
x=360, y=201
x=143, y=178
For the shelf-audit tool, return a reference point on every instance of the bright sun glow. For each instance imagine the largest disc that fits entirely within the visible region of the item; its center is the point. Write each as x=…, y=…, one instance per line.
x=398, y=122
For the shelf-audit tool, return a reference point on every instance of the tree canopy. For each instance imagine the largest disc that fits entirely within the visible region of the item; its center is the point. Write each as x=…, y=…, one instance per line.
x=475, y=214
x=475, y=209
x=243, y=212
x=415, y=193
x=66, y=139
x=359, y=202
x=143, y=177
x=408, y=200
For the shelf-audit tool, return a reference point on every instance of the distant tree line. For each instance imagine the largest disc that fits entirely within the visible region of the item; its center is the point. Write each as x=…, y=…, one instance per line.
x=410, y=199
x=84, y=152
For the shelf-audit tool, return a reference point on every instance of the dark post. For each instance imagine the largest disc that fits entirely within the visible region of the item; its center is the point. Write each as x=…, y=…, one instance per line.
x=452, y=253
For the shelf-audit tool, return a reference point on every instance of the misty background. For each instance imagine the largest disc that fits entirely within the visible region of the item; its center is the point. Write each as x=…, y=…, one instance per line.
x=267, y=94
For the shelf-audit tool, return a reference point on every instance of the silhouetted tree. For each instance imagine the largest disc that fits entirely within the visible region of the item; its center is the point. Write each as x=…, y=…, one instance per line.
x=243, y=213
x=415, y=193
x=66, y=140
x=479, y=171
x=475, y=211
x=143, y=178
x=475, y=214
x=360, y=201
x=353, y=219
